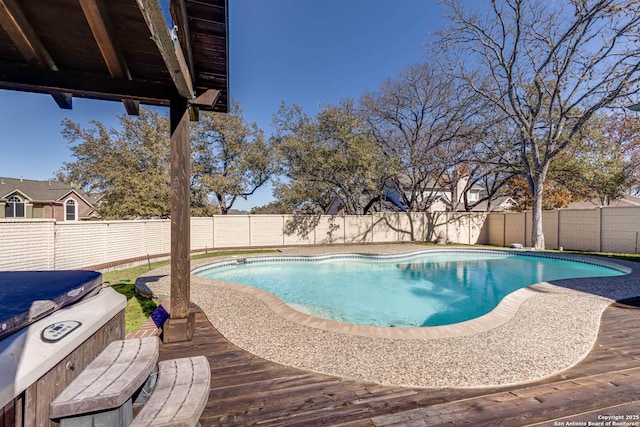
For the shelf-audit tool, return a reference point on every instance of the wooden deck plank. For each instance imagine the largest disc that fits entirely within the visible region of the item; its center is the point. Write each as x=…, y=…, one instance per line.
x=529, y=408
x=247, y=390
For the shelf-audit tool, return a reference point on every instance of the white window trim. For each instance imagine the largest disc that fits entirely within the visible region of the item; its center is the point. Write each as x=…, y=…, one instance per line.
x=20, y=200
x=75, y=208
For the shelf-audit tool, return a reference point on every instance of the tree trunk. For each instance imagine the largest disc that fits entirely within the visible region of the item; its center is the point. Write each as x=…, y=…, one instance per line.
x=222, y=201
x=537, y=235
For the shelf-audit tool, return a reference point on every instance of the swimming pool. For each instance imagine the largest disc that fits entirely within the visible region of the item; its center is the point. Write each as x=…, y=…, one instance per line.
x=429, y=288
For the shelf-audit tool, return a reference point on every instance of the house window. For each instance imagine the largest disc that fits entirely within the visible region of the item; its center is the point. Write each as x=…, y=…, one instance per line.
x=14, y=207
x=71, y=210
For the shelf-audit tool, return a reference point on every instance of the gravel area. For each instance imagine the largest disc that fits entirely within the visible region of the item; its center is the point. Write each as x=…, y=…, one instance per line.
x=550, y=330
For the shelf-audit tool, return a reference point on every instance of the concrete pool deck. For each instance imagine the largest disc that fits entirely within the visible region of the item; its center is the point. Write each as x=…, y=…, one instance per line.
x=537, y=332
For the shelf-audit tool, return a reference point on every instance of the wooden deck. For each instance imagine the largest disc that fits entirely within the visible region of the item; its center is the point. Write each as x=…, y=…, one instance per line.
x=248, y=390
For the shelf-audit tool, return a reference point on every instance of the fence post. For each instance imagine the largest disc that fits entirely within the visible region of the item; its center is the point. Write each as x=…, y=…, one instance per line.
x=558, y=226
x=504, y=229
x=373, y=221
x=344, y=229
x=446, y=227
x=213, y=231
x=524, y=229
x=600, y=229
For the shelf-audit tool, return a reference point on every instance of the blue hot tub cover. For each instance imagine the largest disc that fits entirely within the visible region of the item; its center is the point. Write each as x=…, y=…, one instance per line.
x=27, y=296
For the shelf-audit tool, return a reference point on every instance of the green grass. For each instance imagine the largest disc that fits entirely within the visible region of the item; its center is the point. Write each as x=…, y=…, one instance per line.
x=139, y=308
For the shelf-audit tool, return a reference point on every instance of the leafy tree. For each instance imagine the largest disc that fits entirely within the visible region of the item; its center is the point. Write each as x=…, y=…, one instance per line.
x=270, y=209
x=231, y=157
x=594, y=166
x=326, y=157
x=622, y=132
x=129, y=166
x=546, y=66
x=556, y=196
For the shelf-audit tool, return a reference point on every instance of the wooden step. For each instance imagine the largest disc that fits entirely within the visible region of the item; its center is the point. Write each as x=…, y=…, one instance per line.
x=180, y=394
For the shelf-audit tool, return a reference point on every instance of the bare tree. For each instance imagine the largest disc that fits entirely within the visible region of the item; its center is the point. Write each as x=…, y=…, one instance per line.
x=422, y=120
x=548, y=67
x=486, y=161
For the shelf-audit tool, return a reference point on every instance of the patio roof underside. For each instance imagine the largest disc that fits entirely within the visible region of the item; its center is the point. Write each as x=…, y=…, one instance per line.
x=118, y=50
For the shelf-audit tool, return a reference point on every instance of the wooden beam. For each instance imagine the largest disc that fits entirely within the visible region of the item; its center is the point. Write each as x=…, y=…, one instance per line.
x=194, y=114
x=132, y=107
x=24, y=37
x=98, y=19
x=64, y=100
x=34, y=79
x=207, y=99
x=181, y=324
x=169, y=47
x=179, y=13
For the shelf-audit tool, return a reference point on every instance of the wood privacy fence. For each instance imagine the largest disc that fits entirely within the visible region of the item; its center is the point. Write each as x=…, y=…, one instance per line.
x=46, y=244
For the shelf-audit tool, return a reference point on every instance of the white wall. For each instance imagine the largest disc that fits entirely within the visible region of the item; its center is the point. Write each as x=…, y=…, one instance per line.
x=601, y=229
x=46, y=244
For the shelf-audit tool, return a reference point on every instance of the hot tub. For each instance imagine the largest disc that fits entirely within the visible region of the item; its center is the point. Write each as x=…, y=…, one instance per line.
x=52, y=324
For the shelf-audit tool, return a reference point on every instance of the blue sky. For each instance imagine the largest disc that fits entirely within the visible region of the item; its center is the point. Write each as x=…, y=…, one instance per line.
x=307, y=52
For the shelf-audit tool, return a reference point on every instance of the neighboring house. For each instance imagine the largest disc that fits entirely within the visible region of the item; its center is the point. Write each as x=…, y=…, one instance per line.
x=382, y=204
x=23, y=198
x=443, y=199
x=498, y=204
x=626, y=201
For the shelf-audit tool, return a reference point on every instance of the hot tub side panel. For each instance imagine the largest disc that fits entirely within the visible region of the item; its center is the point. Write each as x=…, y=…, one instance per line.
x=31, y=407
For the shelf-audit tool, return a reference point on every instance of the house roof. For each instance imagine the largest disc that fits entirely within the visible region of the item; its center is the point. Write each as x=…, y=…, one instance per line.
x=498, y=204
x=39, y=191
x=626, y=201
x=405, y=181
x=116, y=50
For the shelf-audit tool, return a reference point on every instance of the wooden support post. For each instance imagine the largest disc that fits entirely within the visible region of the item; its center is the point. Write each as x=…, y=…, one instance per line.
x=181, y=324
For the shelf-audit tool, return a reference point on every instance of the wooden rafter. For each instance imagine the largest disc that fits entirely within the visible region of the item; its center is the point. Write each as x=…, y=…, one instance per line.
x=169, y=47
x=98, y=18
x=23, y=36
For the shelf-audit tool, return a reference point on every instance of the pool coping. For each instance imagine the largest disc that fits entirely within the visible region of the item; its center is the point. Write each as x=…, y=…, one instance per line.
x=536, y=332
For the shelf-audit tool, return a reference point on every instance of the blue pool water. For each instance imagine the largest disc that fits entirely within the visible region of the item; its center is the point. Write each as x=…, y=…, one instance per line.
x=429, y=290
